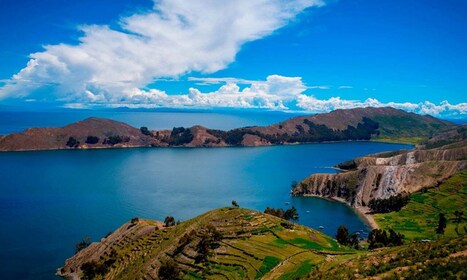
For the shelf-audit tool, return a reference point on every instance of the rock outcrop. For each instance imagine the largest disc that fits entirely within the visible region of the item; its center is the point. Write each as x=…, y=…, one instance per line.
x=387, y=174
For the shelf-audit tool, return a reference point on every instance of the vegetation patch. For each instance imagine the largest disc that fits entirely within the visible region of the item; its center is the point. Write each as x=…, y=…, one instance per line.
x=302, y=270
x=419, y=218
x=269, y=263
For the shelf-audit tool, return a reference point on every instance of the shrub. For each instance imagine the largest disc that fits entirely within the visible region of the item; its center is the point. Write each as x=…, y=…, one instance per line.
x=113, y=140
x=144, y=130
x=386, y=205
x=92, y=140
x=72, y=142
x=379, y=238
x=180, y=136
x=169, y=221
x=169, y=270
x=82, y=244
x=342, y=235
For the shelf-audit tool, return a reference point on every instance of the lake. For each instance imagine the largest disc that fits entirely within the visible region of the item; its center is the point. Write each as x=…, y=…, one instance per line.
x=50, y=200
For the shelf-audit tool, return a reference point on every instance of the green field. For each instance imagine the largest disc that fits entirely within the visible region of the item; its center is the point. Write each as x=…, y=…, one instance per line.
x=419, y=218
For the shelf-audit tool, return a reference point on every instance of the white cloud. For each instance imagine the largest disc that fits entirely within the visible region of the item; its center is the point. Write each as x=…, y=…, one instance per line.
x=172, y=39
x=275, y=93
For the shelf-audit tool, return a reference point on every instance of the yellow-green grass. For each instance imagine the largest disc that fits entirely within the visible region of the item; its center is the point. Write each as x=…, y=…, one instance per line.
x=419, y=218
x=254, y=245
x=400, y=140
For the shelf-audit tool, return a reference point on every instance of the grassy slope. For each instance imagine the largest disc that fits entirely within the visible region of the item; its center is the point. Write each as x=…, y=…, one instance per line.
x=418, y=220
x=254, y=246
x=405, y=129
x=445, y=258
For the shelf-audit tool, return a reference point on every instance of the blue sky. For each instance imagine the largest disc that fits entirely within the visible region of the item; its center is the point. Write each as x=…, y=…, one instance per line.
x=307, y=55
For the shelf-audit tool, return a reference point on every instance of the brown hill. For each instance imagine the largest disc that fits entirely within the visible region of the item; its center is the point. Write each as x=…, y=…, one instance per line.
x=379, y=124
x=105, y=133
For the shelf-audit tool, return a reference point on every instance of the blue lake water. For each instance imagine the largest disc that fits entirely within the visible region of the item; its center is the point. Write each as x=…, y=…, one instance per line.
x=50, y=200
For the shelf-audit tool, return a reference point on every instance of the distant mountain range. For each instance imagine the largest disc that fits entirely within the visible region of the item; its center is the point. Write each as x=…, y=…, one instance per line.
x=376, y=124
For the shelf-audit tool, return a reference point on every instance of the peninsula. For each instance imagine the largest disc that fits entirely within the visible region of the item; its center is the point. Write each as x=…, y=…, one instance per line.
x=375, y=124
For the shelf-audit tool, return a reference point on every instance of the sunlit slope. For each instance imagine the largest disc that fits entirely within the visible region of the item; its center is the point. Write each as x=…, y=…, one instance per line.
x=242, y=244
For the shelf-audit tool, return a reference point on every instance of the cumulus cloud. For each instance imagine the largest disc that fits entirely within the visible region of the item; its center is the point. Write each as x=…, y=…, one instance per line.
x=275, y=93
x=174, y=38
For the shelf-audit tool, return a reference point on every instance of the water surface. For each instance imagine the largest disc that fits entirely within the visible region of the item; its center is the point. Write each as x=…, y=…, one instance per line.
x=50, y=200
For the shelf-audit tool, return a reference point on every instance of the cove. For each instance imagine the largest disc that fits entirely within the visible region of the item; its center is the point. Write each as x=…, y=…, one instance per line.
x=50, y=200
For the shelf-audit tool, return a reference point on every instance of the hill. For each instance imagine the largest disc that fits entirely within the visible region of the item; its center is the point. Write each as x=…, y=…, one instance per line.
x=383, y=175
x=227, y=243
x=376, y=124
x=419, y=218
x=234, y=243
x=86, y=134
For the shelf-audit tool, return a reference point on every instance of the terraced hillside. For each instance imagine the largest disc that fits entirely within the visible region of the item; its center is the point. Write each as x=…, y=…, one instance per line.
x=444, y=259
x=228, y=243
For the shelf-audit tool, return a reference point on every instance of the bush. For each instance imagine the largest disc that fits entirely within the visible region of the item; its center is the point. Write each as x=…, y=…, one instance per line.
x=180, y=136
x=394, y=203
x=72, y=142
x=169, y=270
x=169, y=221
x=342, y=235
x=82, y=244
x=113, y=140
x=92, y=140
x=144, y=130
x=379, y=238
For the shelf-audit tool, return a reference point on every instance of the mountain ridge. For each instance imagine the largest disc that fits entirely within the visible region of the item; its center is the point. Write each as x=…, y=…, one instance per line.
x=375, y=124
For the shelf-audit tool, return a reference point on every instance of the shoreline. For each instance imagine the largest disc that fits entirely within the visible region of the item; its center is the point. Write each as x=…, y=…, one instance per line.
x=360, y=211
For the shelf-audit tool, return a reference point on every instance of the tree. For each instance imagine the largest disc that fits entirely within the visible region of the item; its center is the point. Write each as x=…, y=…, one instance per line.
x=291, y=214
x=441, y=224
x=82, y=244
x=293, y=184
x=92, y=140
x=72, y=142
x=144, y=130
x=353, y=240
x=342, y=235
x=169, y=270
x=459, y=216
x=169, y=221
x=235, y=204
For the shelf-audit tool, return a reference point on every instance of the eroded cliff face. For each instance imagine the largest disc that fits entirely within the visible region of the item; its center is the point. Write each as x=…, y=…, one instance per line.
x=382, y=176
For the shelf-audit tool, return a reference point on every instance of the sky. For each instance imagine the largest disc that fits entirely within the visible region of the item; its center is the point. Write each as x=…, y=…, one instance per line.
x=295, y=55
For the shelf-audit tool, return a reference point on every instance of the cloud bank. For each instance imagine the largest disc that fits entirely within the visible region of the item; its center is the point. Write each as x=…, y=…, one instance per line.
x=275, y=93
x=174, y=38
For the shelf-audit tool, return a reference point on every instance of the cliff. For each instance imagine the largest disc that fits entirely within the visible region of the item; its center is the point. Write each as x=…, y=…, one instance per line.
x=388, y=174
x=378, y=124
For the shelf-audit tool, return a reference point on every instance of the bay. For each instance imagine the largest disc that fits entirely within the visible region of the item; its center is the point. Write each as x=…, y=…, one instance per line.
x=50, y=200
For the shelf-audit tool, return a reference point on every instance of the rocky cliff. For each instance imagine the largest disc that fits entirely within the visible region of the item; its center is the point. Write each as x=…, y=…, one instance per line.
x=388, y=174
